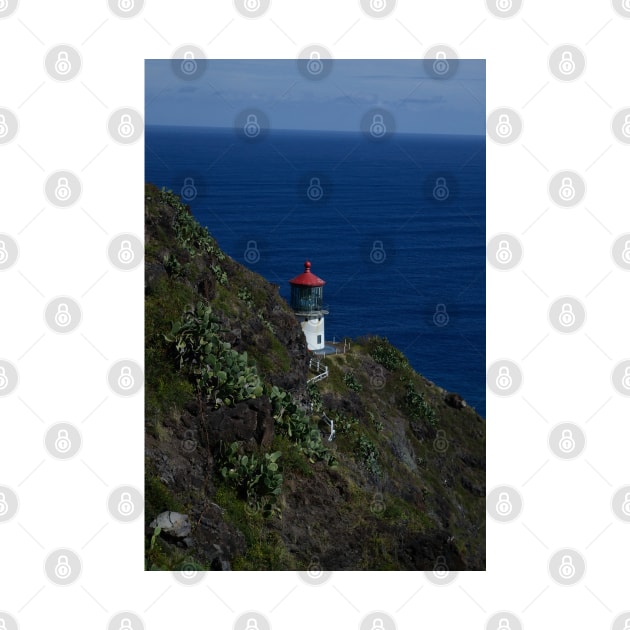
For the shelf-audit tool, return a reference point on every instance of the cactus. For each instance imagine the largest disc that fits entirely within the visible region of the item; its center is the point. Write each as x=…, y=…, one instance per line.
x=222, y=375
x=257, y=479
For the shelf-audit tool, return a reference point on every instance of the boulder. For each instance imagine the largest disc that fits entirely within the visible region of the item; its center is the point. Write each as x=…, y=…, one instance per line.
x=247, y=420
x=173, y=523
x=455, y=401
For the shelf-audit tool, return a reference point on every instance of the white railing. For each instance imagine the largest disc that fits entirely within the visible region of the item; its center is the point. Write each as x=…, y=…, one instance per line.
x=331, y=424
x=321, y=369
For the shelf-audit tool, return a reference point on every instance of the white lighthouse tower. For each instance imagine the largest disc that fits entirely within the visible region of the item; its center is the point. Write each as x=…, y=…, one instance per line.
x=306, y=301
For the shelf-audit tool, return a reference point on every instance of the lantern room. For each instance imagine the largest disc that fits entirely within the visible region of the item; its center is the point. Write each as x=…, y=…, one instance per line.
x=306, y=300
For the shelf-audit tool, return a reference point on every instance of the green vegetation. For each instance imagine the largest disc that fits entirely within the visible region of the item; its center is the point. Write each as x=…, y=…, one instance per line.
x=418, y=407
x=256, y=478
x=368, y=453
x=295, y=424
x=387, y=355
x=351, y=381
x=221, y=374
x=226, y=368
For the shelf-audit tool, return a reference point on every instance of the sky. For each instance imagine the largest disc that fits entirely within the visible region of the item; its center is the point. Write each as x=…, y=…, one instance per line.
x=418, y=102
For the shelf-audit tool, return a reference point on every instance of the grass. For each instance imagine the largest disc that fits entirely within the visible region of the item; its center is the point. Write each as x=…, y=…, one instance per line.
x=292, y=458
x=265, y=550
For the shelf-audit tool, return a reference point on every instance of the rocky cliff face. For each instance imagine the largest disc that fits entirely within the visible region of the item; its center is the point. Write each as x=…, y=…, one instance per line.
x=236, y=442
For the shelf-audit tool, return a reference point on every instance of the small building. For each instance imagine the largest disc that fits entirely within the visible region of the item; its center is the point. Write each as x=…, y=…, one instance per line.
x=306, y=300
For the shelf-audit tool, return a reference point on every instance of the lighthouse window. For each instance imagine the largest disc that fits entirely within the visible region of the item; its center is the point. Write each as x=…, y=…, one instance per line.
x=319, y=339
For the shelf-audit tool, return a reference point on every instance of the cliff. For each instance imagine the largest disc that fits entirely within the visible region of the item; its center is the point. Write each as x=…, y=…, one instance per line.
x=239, y=468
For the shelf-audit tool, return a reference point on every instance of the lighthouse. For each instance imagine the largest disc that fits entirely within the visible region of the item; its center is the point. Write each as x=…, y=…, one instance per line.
x=306, y=300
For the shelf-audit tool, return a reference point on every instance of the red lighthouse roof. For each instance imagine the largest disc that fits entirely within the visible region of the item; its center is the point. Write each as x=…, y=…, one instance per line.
x=307, y=279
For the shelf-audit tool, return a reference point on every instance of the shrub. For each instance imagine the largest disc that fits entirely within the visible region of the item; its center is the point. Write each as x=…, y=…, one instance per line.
x=387, y=355
x=419, y=408
x=351, y=382
x=256, y=478
x=294, y=423
x=221, y=374
x=368, y=453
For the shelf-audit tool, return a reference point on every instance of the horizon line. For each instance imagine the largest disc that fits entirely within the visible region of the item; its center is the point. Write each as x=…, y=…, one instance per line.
x=358, y=131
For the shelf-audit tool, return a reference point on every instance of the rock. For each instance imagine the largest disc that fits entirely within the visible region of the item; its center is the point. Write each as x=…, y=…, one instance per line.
x=153, y=272
x=247, y=420
x=172, y=523
x=455, y=401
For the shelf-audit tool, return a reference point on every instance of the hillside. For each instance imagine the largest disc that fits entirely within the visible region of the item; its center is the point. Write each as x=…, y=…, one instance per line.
x=237, y=443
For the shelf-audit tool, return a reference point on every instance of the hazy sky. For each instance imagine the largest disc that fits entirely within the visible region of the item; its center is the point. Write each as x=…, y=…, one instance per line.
x=418, y=102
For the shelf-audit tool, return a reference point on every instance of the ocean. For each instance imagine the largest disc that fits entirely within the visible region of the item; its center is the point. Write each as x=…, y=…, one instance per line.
x=395, y=227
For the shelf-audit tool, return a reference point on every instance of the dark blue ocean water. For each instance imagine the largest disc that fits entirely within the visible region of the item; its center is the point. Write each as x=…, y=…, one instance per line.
x=396, y=228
